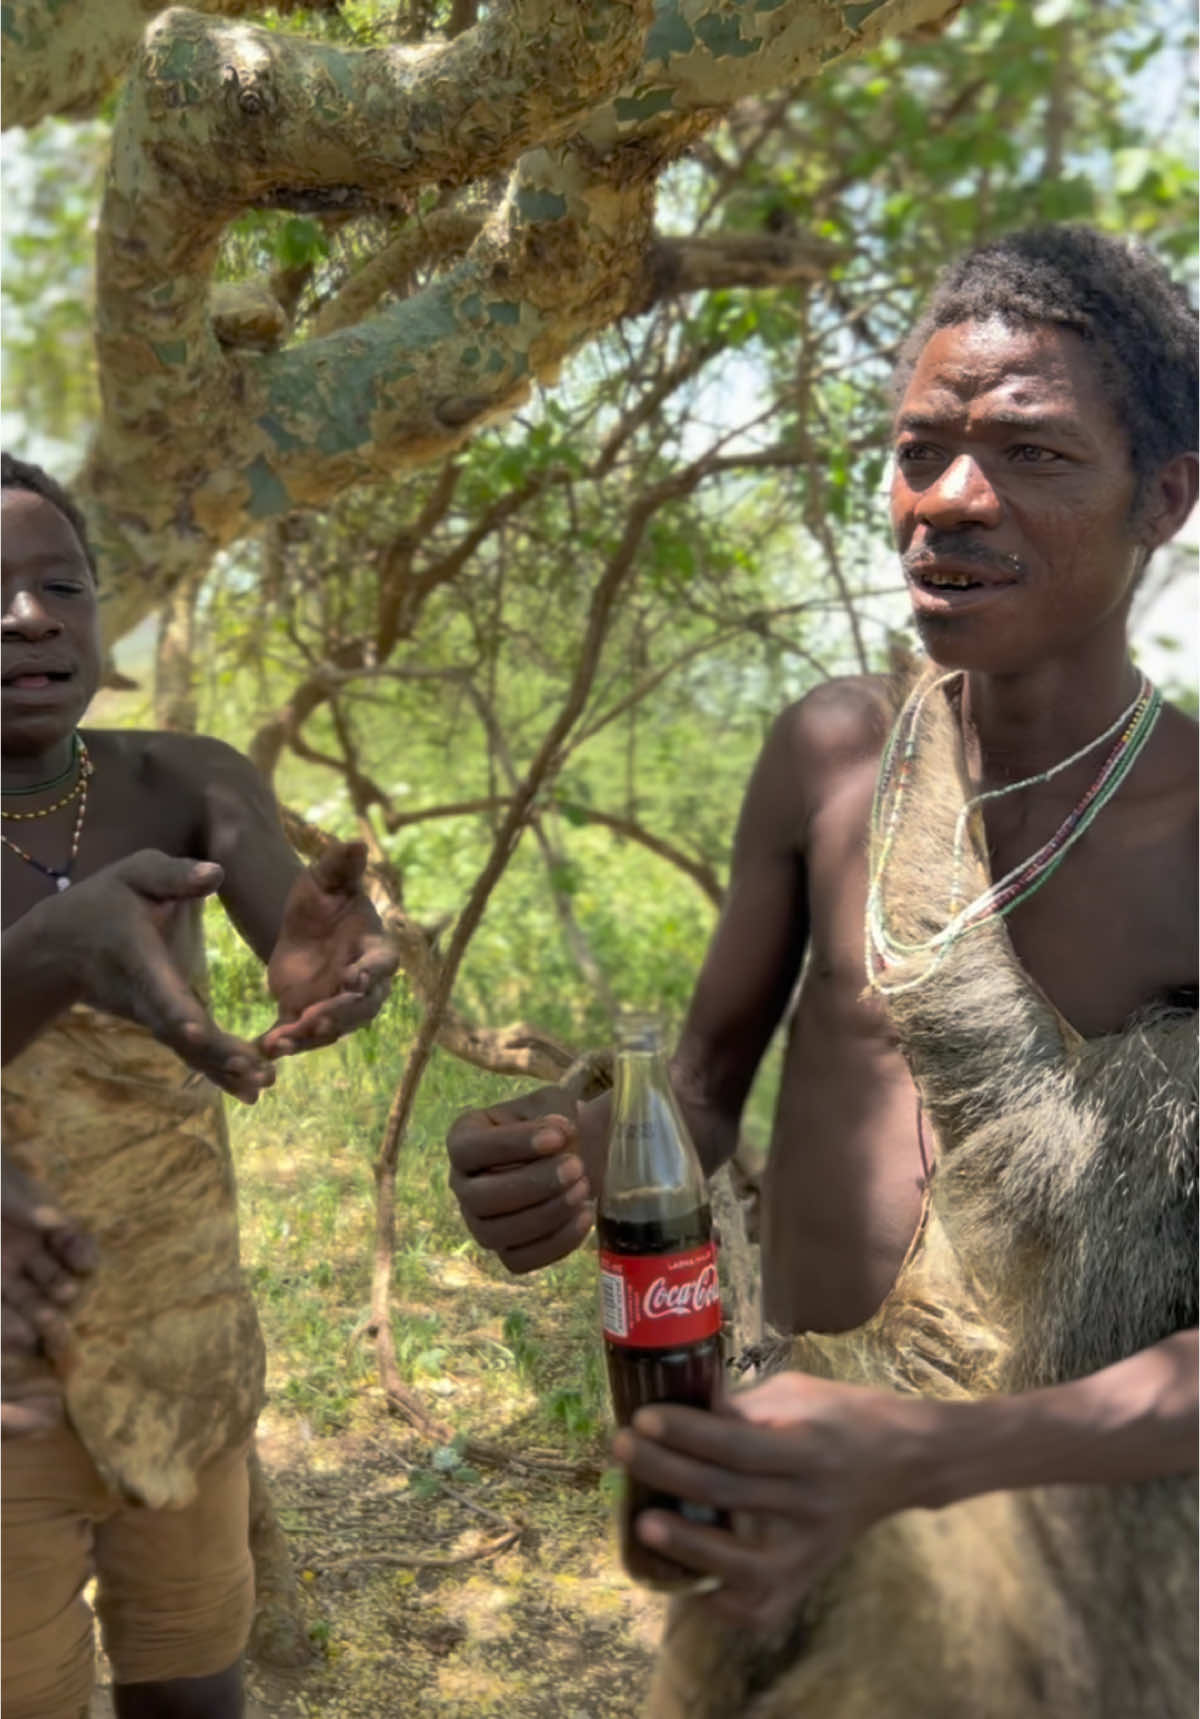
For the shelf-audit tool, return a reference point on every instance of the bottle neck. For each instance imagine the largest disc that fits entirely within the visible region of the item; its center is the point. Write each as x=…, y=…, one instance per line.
x=651, y=1161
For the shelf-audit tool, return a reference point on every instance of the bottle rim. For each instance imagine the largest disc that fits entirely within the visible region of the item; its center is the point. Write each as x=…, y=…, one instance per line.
x=639, y=1030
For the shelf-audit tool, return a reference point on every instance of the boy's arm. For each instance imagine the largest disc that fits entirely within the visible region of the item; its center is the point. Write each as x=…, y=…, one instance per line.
x=103, y=942
x=329, y=963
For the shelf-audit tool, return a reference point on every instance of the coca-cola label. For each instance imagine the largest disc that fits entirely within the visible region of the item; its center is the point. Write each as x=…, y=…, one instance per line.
x=660, y=1300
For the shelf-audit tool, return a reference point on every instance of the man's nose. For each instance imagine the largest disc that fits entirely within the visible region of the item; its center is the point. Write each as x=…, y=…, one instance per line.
x=960, y=495
x=26, y=617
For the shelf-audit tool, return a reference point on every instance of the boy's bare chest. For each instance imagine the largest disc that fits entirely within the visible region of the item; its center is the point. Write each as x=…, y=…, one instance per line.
x=122, y=815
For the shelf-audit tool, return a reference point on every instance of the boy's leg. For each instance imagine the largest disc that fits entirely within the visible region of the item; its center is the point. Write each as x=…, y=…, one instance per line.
x=218, y=1697
x=52, y=1495
x=175, y=1596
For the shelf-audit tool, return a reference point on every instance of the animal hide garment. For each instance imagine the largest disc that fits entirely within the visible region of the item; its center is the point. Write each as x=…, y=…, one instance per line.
x=1061, y=1238
x=165, y=1366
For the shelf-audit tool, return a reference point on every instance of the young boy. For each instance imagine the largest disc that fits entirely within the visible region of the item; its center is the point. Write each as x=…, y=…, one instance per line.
x=160, y=1368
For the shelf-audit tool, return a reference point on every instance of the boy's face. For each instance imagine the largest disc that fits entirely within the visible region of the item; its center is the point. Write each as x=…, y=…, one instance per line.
x=50, y=664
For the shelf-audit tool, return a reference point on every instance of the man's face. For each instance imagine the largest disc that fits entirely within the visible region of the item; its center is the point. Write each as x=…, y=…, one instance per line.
x=1012, y=497
x=50, y=666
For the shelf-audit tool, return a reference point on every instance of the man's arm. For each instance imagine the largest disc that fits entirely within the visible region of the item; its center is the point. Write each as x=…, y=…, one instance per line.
x=813, y=1462
x=526, y=1173
x=754, y=960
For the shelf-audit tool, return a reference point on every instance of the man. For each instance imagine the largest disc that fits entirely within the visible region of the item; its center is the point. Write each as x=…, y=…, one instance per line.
x=1044, y=448
x=158, y=1359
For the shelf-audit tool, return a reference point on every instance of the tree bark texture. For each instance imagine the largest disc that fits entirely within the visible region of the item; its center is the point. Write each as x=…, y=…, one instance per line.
x=201, y=439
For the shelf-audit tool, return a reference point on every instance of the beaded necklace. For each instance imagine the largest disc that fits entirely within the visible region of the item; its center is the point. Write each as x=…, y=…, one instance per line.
x=60, y=875
x=45, y=787
x=884, y=950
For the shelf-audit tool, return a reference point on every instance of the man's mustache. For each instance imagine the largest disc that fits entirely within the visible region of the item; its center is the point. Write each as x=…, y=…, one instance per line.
x=963, y=550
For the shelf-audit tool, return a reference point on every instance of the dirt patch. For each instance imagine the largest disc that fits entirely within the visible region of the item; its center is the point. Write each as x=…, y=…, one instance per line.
x=547, y=1628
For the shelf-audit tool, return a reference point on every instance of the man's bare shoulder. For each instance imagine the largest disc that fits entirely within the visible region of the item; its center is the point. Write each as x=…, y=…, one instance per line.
x=840, y=723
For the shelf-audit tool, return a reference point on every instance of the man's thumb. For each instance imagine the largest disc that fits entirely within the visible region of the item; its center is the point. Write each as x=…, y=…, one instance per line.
x=164, y=878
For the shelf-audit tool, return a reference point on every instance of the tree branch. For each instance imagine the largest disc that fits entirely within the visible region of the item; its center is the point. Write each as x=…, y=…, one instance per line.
x=218, y=118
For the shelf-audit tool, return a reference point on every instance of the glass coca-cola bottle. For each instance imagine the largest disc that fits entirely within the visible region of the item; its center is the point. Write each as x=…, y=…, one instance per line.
x=660, y=1300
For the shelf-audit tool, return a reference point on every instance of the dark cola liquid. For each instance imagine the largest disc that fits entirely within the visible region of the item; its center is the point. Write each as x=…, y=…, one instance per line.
x=637, y=1377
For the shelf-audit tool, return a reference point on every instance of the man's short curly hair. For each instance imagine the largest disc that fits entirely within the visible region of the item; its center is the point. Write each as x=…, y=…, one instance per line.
x=23, y=474
x=1116, y=295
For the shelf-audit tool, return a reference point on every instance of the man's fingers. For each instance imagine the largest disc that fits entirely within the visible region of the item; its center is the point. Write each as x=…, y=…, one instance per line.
x=664, y=1469
x=720, y=1439
x=49, y=1281
x=74, y=1248
x=502, y=1192
x=531, y=1224
x=564, y=1241
x=748, y=1592
x=20, y=1335
x=476, y=1145
x=30, y=1416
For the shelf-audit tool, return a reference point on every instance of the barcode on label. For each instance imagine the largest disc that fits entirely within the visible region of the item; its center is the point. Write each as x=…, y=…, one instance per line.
x=612, y=1304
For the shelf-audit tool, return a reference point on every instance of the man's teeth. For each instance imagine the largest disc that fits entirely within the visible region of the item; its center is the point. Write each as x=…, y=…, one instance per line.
x=959, y=580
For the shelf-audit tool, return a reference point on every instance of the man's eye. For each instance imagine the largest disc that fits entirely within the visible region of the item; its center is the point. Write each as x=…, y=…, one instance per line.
x=1030, y=454
x=908, y=453
x=65, y=587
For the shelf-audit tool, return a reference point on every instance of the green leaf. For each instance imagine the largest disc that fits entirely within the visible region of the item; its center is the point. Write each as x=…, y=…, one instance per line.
x=300, y=241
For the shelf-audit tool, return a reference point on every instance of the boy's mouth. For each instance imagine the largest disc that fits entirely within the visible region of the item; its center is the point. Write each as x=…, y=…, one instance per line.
x=32, y=679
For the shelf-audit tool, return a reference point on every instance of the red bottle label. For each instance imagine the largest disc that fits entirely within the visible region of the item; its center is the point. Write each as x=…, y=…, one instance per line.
x=660, y=1300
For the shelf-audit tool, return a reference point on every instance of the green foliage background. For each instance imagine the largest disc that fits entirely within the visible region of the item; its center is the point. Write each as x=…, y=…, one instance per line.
x=753, y=585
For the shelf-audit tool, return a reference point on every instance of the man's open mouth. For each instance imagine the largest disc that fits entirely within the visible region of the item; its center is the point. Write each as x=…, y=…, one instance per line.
x=932, y=576
x=934, y=580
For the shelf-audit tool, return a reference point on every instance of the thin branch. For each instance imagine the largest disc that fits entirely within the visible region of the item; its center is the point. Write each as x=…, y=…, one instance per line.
x=702, y=875
x=540, y=772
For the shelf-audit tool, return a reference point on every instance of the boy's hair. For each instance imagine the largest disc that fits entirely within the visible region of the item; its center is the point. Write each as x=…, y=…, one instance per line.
x=1115, y=294
x=23, y=474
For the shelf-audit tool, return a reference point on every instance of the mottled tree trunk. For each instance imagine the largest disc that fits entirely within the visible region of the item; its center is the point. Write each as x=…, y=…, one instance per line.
x=203, y=434
x=174, y=665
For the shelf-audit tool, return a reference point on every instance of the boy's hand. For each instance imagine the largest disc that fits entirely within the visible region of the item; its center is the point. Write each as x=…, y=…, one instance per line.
x=44, y=1260
x=331, y=968
x=104, y=941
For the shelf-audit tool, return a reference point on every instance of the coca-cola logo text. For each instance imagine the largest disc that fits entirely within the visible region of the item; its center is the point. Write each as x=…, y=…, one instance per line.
x=670, y=1300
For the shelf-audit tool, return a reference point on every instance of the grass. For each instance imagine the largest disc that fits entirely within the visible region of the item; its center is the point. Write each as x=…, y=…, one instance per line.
x=549, y=1627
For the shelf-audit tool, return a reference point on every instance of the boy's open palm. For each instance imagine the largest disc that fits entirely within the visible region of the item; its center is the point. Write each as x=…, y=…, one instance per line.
x=331, y=968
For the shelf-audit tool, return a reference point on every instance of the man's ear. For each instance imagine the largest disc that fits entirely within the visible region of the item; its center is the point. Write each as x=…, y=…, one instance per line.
x=1167, y=501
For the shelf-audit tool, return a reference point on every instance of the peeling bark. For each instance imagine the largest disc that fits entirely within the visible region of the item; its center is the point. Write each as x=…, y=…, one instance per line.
x=201, y=440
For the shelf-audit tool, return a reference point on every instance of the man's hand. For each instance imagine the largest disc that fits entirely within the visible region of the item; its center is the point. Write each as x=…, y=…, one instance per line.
x=518, y=1173
x=45, y=1259
x=804, y=1465
x=103, y=942
x=331, y=968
